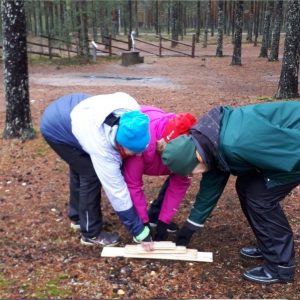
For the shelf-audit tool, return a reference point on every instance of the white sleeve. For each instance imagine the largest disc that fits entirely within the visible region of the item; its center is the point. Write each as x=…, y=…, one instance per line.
x=109, y=172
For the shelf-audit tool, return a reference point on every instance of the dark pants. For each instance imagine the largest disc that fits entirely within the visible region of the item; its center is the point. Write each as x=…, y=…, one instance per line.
x=85, y=189
x=262, y=209
x=156, y=205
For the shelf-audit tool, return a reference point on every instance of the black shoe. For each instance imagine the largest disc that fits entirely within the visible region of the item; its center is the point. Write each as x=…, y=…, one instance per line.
x=172, y=227
x=251, y=252
x=103, y=239
x=262, y=275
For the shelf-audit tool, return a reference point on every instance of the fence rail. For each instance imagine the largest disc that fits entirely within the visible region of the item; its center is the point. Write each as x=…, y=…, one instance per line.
x=111, y=46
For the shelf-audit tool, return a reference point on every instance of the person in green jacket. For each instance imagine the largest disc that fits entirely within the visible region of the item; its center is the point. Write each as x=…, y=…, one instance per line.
x=260, y=144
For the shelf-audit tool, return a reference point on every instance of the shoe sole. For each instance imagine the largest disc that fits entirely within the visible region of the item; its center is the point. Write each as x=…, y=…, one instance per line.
x=250, y=256
x=263, y=281
x=94, y=244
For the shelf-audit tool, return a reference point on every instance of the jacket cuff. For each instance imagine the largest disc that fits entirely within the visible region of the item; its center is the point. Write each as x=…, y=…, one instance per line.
x=192, y=225
x=131, y=220
x=143, y=234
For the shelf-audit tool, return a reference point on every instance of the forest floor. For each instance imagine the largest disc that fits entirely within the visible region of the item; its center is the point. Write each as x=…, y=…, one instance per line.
x=41, y=257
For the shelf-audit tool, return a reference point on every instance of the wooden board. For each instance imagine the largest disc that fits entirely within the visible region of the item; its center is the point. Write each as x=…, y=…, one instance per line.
x=138, y=249
x=189, y=255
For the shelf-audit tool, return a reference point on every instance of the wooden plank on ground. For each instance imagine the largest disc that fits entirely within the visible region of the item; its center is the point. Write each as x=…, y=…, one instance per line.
x=190, y=255
x=138, y=249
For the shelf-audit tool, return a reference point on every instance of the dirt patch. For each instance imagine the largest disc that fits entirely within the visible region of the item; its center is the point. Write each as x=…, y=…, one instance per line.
x=77, y=79
x=41, y=256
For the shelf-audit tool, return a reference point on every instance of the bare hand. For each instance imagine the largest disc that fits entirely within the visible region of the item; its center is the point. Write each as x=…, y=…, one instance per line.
x=148, y=246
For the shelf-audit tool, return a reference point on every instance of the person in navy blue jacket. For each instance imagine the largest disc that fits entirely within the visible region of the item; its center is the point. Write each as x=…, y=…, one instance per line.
x=92, y=133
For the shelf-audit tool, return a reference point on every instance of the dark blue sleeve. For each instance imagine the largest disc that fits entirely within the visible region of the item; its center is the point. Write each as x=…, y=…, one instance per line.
x=131, y=220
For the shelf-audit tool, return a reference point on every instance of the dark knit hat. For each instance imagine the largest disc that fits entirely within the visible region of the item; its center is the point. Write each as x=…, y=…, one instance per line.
x=180, y=155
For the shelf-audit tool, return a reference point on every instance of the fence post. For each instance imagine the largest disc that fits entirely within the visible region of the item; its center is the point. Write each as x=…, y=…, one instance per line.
x=94, y=47
x=193, y=45
x=109, y=45
x=129, y=42
x=160, y=42
x=49, y=46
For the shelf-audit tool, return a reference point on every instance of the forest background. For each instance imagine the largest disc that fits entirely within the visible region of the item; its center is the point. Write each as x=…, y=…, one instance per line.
x=244, y=52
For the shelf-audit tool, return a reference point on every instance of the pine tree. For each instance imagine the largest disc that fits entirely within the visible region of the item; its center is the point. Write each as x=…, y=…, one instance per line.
x=288, y=83
x=237, y=51
x=18, y=122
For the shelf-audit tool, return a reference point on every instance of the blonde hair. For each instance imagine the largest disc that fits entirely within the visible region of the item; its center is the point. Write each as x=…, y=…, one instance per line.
x=161, y=145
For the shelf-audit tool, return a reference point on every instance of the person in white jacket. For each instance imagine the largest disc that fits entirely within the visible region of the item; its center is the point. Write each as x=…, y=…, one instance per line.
x=92, y=133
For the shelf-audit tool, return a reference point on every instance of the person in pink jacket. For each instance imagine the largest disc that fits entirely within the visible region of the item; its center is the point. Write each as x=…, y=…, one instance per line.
x=163, y=128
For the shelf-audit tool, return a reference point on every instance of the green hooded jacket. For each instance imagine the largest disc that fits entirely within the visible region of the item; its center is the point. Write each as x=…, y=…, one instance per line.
x=260, y=137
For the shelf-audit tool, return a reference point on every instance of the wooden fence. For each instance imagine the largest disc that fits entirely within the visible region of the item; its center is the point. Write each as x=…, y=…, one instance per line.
x=51, y=47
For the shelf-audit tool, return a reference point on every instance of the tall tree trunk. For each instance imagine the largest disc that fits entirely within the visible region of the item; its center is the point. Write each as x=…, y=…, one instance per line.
x=212, y=18
x=288, y=83
x=18, y=122
x=136, y=18
x=219, y=51
x=169, y=16
x=276, y=32
x=130, y=16
x=198, y=23
x=233, y=21
x=207, y=20
x=266, y=34
x=156, y=18
x=237, y=51
x=256, y=22
x=103, y=25
x=175, y=23
x=94, y=20
x=251, y=22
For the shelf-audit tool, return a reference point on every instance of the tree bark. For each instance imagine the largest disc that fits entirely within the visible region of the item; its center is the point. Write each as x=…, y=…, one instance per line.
x=198, y=24
x=207, y=19
x=219, y=51
x=237, y=51
x=250, y=23
x=288, y=83
x=18, y=122
x=276, y=32
x=256, y=22
x=266, y=33
x=175, y=23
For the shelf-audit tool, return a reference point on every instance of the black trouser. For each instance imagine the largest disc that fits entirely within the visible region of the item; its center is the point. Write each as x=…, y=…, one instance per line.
x=262, y=209
x=156, y=205
x=85, y=189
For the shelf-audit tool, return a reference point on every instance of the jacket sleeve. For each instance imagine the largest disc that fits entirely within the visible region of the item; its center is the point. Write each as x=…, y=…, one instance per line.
x=175, y=193
x=133, y=169
x=112, y=181
x=211, y=188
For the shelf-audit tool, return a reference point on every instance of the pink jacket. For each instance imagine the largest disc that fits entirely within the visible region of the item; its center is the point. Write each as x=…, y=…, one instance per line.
x=150, y=163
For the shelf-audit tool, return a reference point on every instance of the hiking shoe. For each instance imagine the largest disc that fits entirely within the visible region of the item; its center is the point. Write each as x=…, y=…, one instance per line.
x=262, y=275
x=172, y=227
x=251, y=252
x=75, y=225
x=103, y=239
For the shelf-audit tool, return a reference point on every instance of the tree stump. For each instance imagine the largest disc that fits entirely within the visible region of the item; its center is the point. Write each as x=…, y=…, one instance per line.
x=131, y=58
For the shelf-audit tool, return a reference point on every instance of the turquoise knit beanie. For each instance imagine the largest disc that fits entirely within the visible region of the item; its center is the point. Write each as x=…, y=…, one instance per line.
x=180, y=155
x=133, y=132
